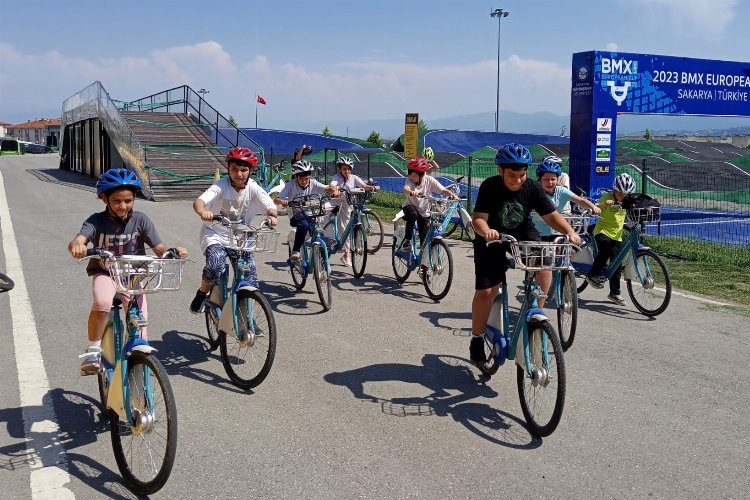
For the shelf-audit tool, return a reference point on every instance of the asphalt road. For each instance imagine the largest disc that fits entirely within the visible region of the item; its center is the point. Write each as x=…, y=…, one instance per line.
x=375, y=398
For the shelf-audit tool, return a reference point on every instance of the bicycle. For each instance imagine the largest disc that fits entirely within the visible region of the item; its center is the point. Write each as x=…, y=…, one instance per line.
x=646, y=275
x=239, y=318
x=271, y=184
x=6, y=284
x=435, y=264
x=134, y=388
x=540, y=373
x=354, y=231
x=314, y=254
x=456, y=216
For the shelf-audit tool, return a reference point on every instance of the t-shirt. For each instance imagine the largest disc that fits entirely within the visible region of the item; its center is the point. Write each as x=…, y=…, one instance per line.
x=128, y=237
x=222, y=198
x=560, y=198
x=353, y=182
x=428, y=186
x=293, y=190
x=509, y=211
x=611, y=220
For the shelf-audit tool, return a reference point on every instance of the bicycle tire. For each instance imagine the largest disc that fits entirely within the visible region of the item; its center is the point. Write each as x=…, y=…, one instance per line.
x=469, y=232
x=400, y=265
x=581, y=282
x=532, y=390
x=359, y=252
x=103, y=382
x=299, y=276
x=450, y=229
x=248, y=359
x=374, y=229
x=212, y=328
x=322, y=277
x=646, y=294
x=6, y=284
x=491, y=346
x=143, y=368
x=433, y=275
x=567, y=309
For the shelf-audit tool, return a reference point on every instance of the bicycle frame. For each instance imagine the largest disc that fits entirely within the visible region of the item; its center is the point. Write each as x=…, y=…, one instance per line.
x=115, y=355
x=348, y=230
x=222, y=308
x=625, y=256
x=415, y=259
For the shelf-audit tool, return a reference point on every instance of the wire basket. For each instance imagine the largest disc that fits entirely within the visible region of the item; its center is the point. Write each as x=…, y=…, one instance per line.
x=439, y=206
x=141, y=274
x=644, y=214
x=579, y=223
x=309, y=205
x=541, y=256
x=243, y=238
x=356, y=196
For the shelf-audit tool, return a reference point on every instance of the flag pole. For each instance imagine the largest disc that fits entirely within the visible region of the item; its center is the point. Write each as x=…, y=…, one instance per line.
x=256, y=110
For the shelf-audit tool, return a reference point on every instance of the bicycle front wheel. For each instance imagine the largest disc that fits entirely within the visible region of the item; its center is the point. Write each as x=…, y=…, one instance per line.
x=322, y=278
x=653, y=290
x=438, y=275
x=6, y=284
x=400, y=263
x=542, y=392
x=374, y=230
x=299, y=276
x=581, y=282
x=359, y=252
x=248, y=354
x=145, y=448
x=567, y=309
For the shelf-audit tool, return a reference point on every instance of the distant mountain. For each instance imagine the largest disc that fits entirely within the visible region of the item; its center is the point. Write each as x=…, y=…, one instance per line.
x=529, y=123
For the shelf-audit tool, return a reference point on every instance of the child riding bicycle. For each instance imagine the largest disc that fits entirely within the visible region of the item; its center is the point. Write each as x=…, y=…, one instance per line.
x=608, y=235
x=236, y=197
x=346, y=181
x=121, y=231
x=418, y=186
x=301, y=185
x=503, y=205
x=548, y=173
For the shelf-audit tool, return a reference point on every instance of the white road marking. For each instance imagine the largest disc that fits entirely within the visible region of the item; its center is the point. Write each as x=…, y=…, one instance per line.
x=47, y=458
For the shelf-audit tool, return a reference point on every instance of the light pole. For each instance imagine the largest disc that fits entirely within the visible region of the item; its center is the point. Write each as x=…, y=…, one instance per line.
x=203, y=93
x=499, y=14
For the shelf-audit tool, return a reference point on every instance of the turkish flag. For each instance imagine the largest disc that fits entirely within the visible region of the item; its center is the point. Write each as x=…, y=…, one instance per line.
x=260, y=100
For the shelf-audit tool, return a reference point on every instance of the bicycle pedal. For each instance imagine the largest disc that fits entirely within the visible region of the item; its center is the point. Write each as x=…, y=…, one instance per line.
x=142, y=323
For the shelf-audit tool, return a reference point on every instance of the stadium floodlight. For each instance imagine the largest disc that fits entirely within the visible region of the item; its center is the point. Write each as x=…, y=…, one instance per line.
x=499, y=14
x=203, y=93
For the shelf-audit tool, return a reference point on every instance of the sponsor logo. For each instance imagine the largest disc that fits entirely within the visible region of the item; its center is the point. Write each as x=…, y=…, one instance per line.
x=619, y=66
x=603, y=140
x=602, y=169
x=604, y=125
x=603, y=154
x=583, y=72
x=618, y=92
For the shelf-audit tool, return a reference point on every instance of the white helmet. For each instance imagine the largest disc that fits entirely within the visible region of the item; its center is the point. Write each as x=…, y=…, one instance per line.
x=553, y=158
x=624, y=183
x=345, y=160
x=301, y=167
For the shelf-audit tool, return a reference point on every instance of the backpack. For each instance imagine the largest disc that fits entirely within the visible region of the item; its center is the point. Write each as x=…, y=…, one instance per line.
x=642, y=208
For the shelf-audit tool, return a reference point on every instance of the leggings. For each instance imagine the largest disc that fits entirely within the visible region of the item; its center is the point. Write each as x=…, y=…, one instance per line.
x=216, y=263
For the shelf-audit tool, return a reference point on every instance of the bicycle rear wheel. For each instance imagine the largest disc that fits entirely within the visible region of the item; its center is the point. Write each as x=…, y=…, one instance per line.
x=374, y=230
x=359, y=252
x=567, y=309
x=322, y=278
x=248, y=354
x=299, y=276
x=6, y=284
x=652, y=293
x=438, y=276
x=145, y=449
x=212, y=327
x=542, y=392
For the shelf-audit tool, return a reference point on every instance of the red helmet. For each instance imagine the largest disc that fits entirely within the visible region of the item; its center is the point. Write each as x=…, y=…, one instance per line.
x=242, y=155
x=418, y=164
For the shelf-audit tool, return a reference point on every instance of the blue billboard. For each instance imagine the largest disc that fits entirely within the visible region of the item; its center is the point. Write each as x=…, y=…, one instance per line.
x=606, y=84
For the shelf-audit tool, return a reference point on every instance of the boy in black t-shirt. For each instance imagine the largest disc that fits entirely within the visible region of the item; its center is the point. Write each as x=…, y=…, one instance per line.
x=503, y=205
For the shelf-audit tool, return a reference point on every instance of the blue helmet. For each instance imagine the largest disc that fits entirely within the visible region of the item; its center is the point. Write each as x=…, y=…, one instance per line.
x=548, y=165
x=116, y=178
x=513, y=153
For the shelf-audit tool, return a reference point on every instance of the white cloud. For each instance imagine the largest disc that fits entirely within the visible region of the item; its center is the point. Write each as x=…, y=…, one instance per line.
x=704, y=19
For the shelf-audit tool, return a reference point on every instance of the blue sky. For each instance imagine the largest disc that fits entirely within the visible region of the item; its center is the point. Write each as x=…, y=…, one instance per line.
x=337, y=60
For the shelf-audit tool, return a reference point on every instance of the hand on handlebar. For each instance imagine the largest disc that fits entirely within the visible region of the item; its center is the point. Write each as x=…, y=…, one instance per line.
x=492, y=235
x=78, y=251
x=206, y=215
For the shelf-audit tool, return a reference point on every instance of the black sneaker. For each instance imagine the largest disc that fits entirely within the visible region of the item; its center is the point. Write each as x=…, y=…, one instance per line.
x=476, y=350
x=596, y=281
x=196, y=306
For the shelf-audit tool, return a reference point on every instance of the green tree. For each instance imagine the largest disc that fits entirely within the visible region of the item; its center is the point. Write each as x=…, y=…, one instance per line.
x=326, y=132
x=233, y=120
x=422, y=126
x=647, y=135
x=374, y=138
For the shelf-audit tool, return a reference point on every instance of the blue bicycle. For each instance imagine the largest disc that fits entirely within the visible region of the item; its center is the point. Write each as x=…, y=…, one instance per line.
x=239, y=317
x=456, y=216
x=354, y=232
x=133, y=386
x=433, y=259
x=271, y=183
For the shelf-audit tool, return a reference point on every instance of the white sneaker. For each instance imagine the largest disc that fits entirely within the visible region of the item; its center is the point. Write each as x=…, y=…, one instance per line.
x=295, y=256
x=92, y=361
x=617, y=299
x=346, y=260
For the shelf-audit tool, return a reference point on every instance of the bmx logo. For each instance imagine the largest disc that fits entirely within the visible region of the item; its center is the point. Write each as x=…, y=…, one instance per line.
x=619, y=66
x=618, y=92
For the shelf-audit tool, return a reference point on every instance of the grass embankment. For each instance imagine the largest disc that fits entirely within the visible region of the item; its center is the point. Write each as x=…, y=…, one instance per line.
x=711, y=269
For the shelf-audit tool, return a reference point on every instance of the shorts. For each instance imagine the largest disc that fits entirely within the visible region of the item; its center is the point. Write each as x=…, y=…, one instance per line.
x=490, y=264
